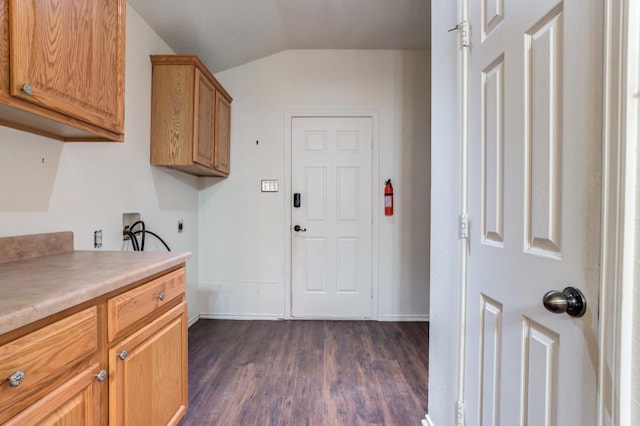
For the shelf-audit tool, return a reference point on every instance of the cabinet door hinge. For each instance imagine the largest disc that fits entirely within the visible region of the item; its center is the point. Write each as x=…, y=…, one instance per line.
x=463, y=27
x=460, y=413
x=464, y=226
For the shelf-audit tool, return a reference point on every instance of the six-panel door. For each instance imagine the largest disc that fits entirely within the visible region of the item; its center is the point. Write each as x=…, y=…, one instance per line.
x=534, y=190
x=331, y=258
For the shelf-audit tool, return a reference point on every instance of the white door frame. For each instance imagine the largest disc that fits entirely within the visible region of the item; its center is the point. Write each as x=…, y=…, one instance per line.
x=619, y=229
x=620, y=254
x=375, y=200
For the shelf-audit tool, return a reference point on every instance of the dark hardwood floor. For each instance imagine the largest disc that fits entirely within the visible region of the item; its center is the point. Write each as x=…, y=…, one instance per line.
x=307, y=373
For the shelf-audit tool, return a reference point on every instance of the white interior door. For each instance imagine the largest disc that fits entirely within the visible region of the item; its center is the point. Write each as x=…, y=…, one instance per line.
x=535, y=77
x=331, y=251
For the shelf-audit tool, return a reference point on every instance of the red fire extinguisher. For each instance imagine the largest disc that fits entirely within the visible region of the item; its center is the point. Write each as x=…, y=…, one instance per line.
x=388, y=198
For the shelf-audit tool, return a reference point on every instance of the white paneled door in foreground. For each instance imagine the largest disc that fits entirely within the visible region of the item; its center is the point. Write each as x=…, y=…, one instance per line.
x=535, y=72
x=331, y=217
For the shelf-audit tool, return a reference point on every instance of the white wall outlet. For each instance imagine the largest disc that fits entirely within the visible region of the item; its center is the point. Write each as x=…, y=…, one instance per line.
x=269, y=185
x=97, y=238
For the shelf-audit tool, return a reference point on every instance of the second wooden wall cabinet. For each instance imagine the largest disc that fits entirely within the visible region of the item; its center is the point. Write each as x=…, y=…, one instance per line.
x=190, y=117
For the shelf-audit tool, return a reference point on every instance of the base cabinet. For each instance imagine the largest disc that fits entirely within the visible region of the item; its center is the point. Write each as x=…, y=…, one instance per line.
x=148, y=373
x=121, y=361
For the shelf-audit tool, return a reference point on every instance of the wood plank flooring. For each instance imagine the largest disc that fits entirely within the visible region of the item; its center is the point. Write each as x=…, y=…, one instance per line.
x=307, y=373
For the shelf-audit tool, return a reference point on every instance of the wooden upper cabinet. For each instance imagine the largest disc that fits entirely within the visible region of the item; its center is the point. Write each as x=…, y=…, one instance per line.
x=190, y=117
x=62, y=67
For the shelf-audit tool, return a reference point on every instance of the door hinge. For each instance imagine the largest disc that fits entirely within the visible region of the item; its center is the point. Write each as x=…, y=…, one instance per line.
x=463, y=27
x=464, y=226
x=460, y=413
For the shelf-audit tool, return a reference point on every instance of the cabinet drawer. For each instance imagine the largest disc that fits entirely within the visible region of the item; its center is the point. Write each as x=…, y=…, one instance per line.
x=130, y=307
x=76, y=402
x=45, y=357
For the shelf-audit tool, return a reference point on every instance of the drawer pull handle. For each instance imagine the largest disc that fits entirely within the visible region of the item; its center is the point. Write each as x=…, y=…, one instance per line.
x=16, y=378
x=101, y=375
x=27, y=89
x=161, y=296
x=123, y=354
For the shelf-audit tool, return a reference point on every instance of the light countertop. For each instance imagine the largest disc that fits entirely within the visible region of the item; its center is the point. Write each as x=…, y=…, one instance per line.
x=34, y=288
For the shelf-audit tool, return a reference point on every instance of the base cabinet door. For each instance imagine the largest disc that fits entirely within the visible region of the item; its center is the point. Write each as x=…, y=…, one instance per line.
x=76, y=402
x=148, y=373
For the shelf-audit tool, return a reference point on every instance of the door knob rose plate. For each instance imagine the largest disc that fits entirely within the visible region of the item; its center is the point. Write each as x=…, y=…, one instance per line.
x=570, y=301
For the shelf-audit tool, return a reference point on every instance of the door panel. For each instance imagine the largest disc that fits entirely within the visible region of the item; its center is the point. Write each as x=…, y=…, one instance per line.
x=331, y=254
x=222, y=160
x=534, y=191
x=493, y=152
x=543, y=135
x=203, y=133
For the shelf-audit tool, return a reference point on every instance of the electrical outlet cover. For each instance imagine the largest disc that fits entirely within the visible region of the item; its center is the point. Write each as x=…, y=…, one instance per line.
x=269, y=185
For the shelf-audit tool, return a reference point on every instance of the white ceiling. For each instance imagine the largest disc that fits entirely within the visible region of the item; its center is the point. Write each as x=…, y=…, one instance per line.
x=228, y=33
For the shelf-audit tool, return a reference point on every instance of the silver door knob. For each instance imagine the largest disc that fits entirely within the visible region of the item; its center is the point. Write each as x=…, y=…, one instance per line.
x=299, y=228
x=570, y=300
x=27, y=89
x=123, y=355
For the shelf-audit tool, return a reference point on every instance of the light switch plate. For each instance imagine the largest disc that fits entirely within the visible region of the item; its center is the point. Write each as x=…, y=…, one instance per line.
x=269, y=185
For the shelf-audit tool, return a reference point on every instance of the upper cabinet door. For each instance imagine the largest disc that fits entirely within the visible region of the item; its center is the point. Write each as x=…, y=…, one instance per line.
x=68, y=56
x=205, y=100
x=223, y=134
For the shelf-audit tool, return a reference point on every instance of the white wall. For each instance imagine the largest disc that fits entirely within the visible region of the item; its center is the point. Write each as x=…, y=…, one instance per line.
x=82, y=187
x=445, y=209
x=243, y=231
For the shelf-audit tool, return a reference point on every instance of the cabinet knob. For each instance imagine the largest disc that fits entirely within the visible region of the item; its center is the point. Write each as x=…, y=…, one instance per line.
x=102, y=374
x=27, y=89
x=16, y=378
x=161, y=296
x=123, y=354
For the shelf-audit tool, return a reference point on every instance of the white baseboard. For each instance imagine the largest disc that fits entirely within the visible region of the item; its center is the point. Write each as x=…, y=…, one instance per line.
x=328, y=318
x=401, y=318
x=246, y=317
x=193, y=320
x=263, y=317
x=427, y=421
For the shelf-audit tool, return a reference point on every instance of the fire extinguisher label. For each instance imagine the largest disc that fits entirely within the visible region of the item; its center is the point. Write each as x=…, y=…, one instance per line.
x=388, y=201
